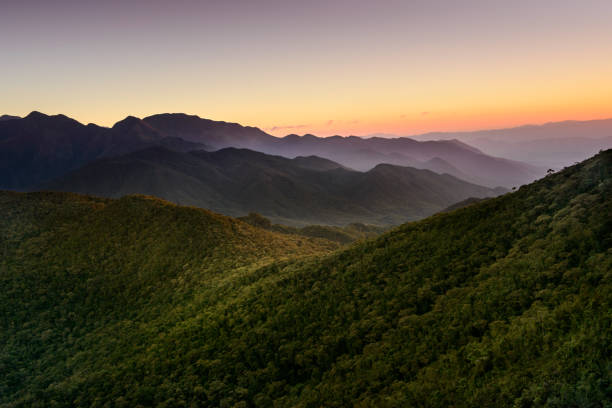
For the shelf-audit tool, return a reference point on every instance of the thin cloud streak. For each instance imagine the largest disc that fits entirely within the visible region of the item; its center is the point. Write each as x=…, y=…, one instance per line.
x=286, y=127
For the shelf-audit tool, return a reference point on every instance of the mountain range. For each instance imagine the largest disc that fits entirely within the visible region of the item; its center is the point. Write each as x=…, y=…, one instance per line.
x=39, y=148
x=139, y=302
x=299, y=191
x=452, y=157
x=554, y=144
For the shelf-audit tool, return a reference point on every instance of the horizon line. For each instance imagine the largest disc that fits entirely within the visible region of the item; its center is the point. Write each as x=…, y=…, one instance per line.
x=384, y=135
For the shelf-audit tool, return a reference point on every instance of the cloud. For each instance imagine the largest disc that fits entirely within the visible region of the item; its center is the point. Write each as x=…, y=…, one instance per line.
x=403, y=116
x=330, y=122
x=424, y=113
x=287, y=127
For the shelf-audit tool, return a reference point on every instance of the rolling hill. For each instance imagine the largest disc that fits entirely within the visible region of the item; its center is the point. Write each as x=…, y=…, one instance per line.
x=136, y=302
x=300, y=191
x=343, y=235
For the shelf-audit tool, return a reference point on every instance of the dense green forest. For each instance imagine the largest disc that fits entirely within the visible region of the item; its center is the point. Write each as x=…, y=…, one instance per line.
x=136, y=302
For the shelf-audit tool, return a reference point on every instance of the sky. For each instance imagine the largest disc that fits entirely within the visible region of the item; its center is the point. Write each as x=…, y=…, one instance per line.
x=324, y=67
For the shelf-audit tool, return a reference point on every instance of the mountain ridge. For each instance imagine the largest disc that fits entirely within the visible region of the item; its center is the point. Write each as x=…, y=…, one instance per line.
x=353, y=151
x=50, y=146
x=39, y=147
x=299, y=191
x=552, y=144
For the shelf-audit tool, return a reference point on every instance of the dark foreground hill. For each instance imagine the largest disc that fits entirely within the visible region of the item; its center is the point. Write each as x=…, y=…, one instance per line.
x=74, y=266
x=503, y=303
x=300, y=191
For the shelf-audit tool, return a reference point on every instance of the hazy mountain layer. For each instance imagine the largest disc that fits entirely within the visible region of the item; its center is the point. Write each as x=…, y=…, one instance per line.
x=37, y=148
x=451, y=156
x=555, y=144
x=305, y=190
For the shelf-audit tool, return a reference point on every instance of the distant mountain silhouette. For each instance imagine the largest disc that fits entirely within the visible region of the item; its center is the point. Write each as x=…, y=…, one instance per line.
x=38, y=148
x=460, y=160
x=297, y=191
x=555, y=153
x=463, y=161
x=555, y=144
x=215, y=134
x=8, y=117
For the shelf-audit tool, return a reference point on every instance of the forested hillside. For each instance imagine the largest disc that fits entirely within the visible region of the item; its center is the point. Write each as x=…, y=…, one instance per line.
x=73, y=268
x=342, y=235
x=507, y=302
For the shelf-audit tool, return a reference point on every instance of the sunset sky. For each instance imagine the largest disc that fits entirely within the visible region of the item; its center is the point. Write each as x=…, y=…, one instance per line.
x=324, y=67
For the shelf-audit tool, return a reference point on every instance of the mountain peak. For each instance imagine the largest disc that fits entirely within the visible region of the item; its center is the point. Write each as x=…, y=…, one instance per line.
x=59, y=119
x=136, y=127
x=128, y=121
x=297, y=138
x=131, y=123
x=177, y=115
x=36, y=115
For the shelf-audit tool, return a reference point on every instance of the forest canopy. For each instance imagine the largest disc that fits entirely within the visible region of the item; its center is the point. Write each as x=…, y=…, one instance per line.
x=138, y=302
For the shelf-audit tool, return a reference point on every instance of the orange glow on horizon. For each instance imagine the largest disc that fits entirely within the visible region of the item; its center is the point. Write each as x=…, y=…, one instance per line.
x=408, y=71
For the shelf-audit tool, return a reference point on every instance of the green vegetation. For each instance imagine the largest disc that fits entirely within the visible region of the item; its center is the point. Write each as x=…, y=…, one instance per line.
x=343, y=235
x=76, y=270
x=135, y=302
x=464, y=203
